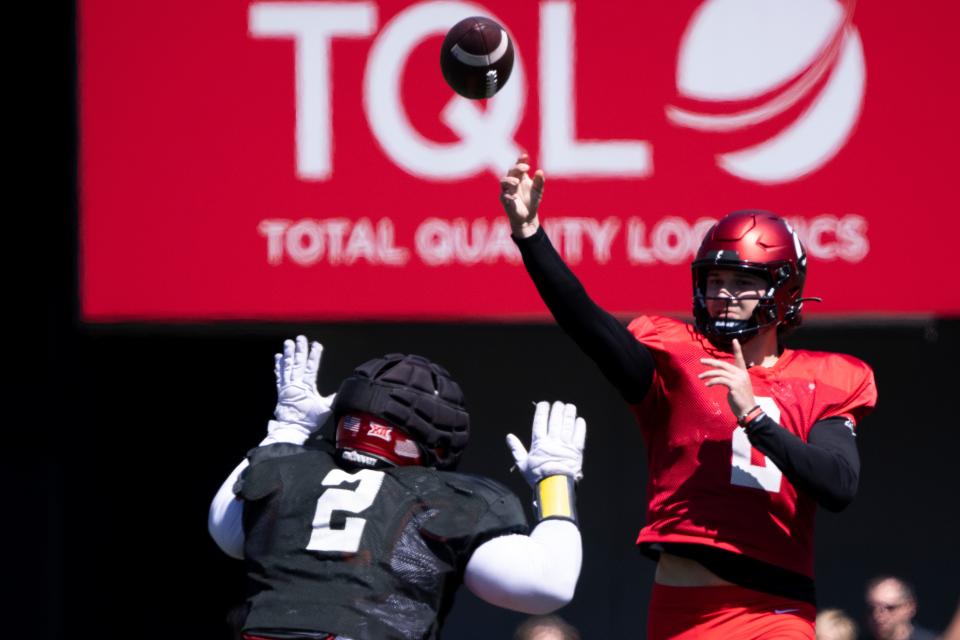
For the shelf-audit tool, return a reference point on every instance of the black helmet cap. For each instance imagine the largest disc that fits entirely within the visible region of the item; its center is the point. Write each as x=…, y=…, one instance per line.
x=416, y=395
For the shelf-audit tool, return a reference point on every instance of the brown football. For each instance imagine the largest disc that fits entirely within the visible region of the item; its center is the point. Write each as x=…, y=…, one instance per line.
x=477, y=57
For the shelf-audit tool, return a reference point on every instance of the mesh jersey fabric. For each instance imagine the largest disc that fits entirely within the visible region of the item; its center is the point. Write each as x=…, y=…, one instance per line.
x=413, y=528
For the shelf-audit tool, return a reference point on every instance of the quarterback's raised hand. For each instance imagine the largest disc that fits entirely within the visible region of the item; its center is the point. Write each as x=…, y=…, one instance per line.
x=520, y=196
x=556, y=446
x=299, y=404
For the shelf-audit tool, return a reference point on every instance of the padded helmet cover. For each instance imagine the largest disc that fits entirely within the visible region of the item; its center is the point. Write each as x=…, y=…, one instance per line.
x=414, y=394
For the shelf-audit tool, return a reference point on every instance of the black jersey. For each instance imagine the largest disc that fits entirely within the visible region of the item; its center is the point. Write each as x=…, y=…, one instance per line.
x=367, y=554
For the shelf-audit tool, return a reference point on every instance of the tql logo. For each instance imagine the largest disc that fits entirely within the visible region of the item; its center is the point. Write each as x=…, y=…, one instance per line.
x=791, y=70
x=744, y=63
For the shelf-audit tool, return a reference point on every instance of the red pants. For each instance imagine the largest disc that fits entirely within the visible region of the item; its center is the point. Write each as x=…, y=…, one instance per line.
x=725, y=612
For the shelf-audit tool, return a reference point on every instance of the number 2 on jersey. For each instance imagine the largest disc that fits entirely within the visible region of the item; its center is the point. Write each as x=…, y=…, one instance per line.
x=743, y=472
x=323, y=538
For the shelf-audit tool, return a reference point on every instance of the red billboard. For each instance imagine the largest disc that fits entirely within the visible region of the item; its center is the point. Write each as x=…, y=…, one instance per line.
x=305, y=160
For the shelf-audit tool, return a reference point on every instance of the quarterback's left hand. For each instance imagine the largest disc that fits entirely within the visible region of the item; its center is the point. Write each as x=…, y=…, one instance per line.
x=556, y=447
x=734, y=377
x=298, y=401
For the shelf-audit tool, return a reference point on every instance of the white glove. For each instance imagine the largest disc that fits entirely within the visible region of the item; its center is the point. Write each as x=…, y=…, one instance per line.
x=556, y=447
x=300, y=407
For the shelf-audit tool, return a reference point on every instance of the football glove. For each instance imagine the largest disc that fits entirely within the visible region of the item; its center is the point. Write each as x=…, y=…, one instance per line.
x=556, y=446
x=300, y=408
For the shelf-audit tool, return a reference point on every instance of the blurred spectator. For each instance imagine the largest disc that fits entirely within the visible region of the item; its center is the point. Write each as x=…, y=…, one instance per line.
x=546, y=628
x=834, y=624
x=891, y=607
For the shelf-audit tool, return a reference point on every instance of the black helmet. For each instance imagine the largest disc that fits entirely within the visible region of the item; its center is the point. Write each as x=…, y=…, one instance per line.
x=414, y=394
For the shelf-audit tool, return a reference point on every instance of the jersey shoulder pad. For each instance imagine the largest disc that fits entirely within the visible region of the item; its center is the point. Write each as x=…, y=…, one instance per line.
x=848, y=385
x=264, y=475
x=500, y=509
x=483, y=487
x=655, y=331
x=837, y=369
x=258, y=455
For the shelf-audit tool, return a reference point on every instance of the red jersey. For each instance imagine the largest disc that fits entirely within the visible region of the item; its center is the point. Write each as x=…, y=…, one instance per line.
x=707, y=484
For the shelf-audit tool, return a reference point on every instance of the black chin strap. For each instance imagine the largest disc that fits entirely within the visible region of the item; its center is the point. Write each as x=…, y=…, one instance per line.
x=722, y=337
x=721, y=331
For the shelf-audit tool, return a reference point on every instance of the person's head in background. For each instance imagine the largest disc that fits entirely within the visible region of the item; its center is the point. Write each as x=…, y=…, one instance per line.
x=834, y=624
x=546, y=628
x=891, y=606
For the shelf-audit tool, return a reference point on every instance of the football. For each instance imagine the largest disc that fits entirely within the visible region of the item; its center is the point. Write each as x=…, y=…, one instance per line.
x=476, y=58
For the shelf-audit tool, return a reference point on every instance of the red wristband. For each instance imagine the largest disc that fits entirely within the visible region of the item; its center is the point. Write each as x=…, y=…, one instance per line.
x=750, y=416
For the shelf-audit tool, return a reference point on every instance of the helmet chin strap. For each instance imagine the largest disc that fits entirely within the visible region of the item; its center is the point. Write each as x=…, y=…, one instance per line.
x=721, y=331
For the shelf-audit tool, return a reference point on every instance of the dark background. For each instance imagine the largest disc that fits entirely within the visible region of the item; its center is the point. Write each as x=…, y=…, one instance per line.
x=118, y=436
x=167, y=413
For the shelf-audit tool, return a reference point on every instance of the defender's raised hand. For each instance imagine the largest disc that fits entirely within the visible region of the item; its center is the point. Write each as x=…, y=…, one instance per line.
x=298, y=401
x=556, y=447
x=520, y=195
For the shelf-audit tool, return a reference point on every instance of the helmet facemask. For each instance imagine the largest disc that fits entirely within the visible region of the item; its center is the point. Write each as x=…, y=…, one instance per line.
x=720, y=328
x=761, y=244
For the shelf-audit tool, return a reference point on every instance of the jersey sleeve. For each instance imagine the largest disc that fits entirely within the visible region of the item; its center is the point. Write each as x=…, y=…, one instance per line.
x=856, y=390
x=644, y=329
x=649, y=331
x=486, y=509
x=621, y=359
x=504, y=514
x=263, y=476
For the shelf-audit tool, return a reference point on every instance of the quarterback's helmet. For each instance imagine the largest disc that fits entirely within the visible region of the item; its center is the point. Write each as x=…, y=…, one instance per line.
x=760, y=243
x=390, y=402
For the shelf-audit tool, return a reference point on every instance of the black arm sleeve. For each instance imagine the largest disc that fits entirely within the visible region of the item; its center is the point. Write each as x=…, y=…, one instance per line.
x=625, y=362
x=826, y=467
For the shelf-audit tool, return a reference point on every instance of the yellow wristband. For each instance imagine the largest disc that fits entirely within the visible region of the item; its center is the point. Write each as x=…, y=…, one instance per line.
x=555, y=498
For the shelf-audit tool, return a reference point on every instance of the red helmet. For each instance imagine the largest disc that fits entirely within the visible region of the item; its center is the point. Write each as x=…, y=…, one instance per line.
x=762, y=244
x=361, y=435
